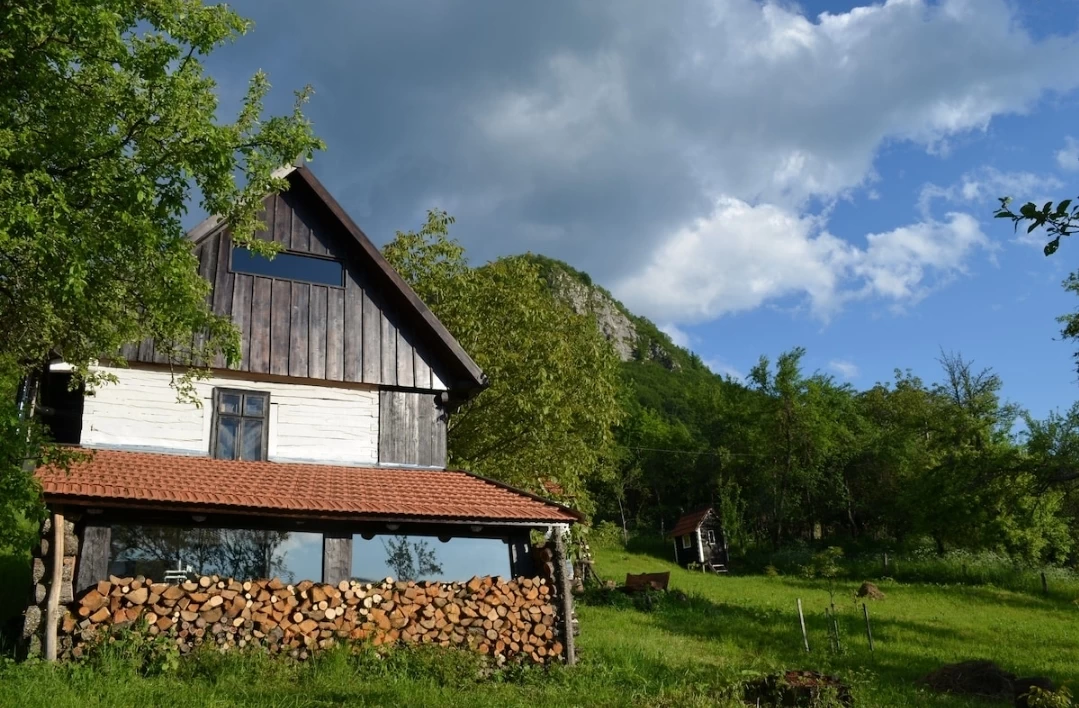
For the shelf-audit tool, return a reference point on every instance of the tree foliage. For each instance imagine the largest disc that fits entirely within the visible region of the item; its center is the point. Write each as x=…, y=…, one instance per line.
x=545, y=422
x=108, y=128
x=794, y=456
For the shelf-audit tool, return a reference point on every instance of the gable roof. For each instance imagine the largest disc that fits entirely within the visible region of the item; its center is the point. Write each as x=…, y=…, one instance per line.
x=145, y=480
x=689, y=522
x=302, y=180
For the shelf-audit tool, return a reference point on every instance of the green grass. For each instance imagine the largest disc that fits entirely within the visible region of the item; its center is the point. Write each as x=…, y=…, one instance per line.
x=679, y=654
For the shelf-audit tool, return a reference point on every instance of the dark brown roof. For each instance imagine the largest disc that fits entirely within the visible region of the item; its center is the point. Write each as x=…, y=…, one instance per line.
x=689, y=522
x=151, y=480
x=473, y=377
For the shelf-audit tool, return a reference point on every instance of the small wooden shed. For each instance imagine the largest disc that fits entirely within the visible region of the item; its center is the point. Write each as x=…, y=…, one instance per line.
x=698, y=538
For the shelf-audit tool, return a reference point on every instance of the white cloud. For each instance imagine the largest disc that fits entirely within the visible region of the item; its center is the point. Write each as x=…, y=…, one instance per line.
x=987, y=184
x=678, y=336
x=743, y=256
x=845, y=369
x=1068, y=156
x=718, y=366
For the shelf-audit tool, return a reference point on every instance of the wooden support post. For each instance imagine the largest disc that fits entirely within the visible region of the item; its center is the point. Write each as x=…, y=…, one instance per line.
x=565, y=595
x=520, y=551
x=336, y=558
x=802, y=621
x=93, y=562
x=52, y=609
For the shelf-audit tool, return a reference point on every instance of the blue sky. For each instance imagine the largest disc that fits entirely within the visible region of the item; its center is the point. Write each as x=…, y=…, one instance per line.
x=752, y=176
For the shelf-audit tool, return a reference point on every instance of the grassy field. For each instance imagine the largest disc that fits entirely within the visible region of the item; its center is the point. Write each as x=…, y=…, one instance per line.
x=680, y=654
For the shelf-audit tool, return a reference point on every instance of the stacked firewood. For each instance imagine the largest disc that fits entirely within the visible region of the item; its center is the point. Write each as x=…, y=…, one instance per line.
x=506, y=619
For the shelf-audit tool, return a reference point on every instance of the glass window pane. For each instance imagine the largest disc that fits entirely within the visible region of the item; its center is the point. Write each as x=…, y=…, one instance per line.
x=176, y=554
x=255, y=405
x=251, y=445
x=229, y=403
x=290, y=266
x=226, y=438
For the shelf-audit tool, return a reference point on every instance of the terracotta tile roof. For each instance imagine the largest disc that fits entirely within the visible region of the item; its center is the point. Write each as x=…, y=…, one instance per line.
x=123, y=478
x=689, y=522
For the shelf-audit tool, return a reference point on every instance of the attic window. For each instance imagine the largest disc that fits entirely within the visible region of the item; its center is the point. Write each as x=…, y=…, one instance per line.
x=290, y=266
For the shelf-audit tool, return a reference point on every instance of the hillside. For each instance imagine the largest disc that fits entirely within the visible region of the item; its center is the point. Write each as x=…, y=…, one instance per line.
x=633, y=337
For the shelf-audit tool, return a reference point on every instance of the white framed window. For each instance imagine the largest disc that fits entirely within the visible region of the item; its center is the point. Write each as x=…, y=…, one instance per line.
x=239, y=429
x=687, y=541
x=711, y=537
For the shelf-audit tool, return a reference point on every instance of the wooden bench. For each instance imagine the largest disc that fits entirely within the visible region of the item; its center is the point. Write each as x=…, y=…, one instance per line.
x=645, y=581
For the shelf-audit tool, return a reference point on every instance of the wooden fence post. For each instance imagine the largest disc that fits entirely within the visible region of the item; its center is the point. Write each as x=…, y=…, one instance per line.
x=52, y=609
x=565, y=596
x=802, y=621
x=868, y=629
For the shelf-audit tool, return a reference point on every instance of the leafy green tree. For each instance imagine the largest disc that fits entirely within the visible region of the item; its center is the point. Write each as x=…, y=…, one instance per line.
x=108, y=129
x=547, y=416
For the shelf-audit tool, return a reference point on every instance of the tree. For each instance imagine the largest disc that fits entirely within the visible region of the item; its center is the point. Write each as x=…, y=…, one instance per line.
x=553, y=400
x=411, y=561
x=108, y=128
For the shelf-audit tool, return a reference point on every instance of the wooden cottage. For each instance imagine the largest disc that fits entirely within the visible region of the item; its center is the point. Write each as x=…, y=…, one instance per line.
x=698, y=538
x=333, y=423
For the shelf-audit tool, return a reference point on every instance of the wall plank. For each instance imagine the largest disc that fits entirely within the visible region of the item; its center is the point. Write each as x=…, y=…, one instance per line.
x=299, y=327
x=282, y=221
x=353, y=333
x=316, y=352
x=280, y=310
x=224, y=281
x=372, y=339
x=388, y=341
x=301, y=232
x=405, y=359
x=241, y=316
x=335, y=331
x=261, y=302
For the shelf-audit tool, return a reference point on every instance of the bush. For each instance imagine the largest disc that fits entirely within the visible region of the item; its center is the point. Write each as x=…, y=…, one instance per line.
x=606, y=534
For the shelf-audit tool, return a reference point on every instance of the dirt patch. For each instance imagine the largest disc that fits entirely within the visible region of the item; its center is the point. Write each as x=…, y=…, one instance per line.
x=871, y=591
x=973, y=678
x=797, y=688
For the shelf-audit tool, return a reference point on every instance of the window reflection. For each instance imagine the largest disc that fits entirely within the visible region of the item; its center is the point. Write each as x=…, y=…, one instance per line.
x=176, y=554
x=427, y=558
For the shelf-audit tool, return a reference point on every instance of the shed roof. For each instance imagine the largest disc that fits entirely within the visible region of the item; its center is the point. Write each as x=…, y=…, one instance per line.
x=179, y=482
x=689, y=522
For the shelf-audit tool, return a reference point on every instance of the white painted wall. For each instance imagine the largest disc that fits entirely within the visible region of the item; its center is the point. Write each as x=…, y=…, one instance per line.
x=307, y=423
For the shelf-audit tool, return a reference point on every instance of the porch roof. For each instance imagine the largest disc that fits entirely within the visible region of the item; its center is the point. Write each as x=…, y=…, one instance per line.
x=114, y=478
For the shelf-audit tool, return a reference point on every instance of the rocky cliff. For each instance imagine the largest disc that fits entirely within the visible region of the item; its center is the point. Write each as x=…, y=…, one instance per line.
x=633, y=338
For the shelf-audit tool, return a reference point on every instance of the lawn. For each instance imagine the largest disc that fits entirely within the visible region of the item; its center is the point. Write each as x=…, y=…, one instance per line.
x=681, y=654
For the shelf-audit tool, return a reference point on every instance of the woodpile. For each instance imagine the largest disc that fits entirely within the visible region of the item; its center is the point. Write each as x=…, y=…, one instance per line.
x=514, y=619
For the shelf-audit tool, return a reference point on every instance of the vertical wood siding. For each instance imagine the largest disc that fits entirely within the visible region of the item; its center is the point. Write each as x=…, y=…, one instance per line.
x=354, y=333
x=412, y=429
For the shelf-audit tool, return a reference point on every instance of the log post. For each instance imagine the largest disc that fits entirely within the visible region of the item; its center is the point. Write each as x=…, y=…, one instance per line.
x=52, y=609
x=565, y=596
x=336, y=558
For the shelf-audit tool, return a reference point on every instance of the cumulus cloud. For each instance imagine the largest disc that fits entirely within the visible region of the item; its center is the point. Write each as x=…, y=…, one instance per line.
x=621, y=135
x=742, y=256
x=1068, y=156
x=845, y=369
